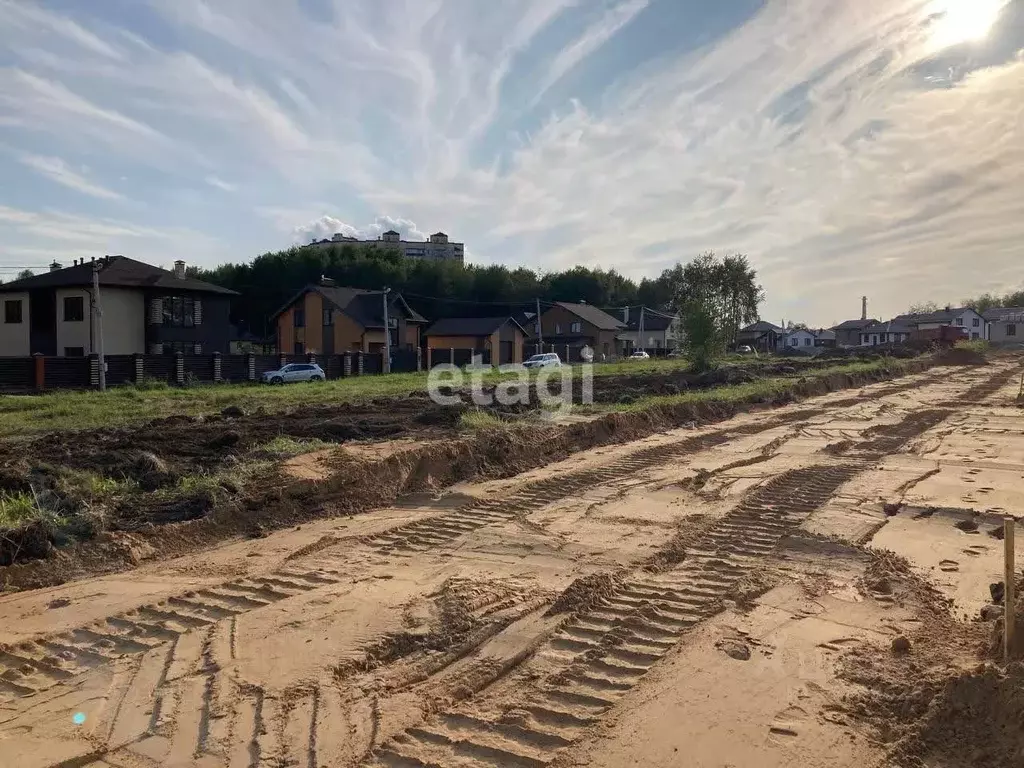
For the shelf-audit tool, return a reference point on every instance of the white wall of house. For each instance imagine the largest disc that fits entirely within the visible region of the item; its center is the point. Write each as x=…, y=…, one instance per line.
x=14, y=338
x=797, y=340
x=124, y=322
x=973, y=322
x=884, y=337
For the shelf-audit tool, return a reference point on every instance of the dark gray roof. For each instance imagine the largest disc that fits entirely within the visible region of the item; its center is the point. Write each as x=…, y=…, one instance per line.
x=596, y=317
x=996, y=314
x=853, y=325
x=363, y=306
x=118, y=271
x=893, y=326
x=826, y=335
x=654, y=320
x=940, y=316
x=762, y=326
x=469, y=326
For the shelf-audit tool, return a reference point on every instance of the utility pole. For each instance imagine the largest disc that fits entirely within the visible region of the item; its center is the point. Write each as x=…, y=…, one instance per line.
x=387, y=334
x=540, y=330
x=640, y=336
x=97, y=319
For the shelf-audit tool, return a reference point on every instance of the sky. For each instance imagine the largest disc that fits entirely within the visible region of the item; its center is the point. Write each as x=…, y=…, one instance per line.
x=847, y=147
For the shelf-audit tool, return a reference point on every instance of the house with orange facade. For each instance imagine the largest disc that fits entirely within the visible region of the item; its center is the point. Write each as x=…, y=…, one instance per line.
x=328, y=319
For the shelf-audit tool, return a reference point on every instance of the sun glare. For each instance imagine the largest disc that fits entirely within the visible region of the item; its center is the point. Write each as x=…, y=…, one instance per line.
x=963, y=21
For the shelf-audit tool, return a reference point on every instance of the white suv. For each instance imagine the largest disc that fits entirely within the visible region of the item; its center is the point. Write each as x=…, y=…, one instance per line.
x=295, y=372
x=543, y=361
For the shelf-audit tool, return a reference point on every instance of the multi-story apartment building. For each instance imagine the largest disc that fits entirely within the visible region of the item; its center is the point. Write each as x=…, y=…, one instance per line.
x=437, y=248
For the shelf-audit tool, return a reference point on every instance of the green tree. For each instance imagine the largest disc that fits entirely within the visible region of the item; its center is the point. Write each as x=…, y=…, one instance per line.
x=924, y=307
x=25, y=273
x=714, y=298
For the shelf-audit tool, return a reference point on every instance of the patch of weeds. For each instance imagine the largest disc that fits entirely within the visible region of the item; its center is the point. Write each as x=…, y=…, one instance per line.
x=478, y=419
x=17, y=509
x=284, y=447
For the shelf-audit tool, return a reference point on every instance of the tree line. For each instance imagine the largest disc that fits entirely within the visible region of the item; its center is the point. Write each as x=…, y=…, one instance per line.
x=449, y=289
x=979, y=304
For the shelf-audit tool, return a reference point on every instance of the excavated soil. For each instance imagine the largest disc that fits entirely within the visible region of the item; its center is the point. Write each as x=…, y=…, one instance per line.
x=605, y=610
x=935, y=697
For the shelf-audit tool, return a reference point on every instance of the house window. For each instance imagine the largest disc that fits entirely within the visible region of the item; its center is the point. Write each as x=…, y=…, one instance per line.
x=558, y=329
x=12, y=311
x=74, y=309
x=807, y=341
x=975, y=322
x=300, y=317
x=328, y=316
x=74, y=351
x=794, y=342
x=960, y=321
x=179, y=311
x=576, y=328
x=1011, y=329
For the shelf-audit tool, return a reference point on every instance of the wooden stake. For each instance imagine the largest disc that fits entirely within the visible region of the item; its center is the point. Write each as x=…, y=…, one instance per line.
x=1010, y=599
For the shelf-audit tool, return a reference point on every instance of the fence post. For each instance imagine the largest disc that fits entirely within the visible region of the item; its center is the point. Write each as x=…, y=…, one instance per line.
x=39, y=370
x=310, y=357
x=140, y=367
x=282, y=361
x=179, y=368
x=346, y=364
x=94, y=370
x=217, y=367
x=359, y=363
x=250, y=366
x=451, y=353
x=419, y=358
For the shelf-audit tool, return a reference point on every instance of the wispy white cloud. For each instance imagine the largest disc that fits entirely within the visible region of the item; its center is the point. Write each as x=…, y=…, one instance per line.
x=219, y=183
x=829, y=140
x=57, y=170
x=593, y=37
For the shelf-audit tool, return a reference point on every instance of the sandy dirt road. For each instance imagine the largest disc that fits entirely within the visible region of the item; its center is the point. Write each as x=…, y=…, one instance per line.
x=681, y=597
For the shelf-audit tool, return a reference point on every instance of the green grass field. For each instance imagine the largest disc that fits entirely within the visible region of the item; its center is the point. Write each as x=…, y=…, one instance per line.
x=22, y=414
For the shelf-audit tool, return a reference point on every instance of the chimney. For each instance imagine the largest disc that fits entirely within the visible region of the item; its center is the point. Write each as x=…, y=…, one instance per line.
x=179, y=269
x=55, y=266
x=863, y=307
x=92, y=258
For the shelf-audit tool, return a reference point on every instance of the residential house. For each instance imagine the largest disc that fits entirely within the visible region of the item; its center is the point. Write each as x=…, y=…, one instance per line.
x=799, y=339
x=891, y=332
x=762, y=336
x=501, y=336
x=329, y=319
x=848, y=333
x=145, y=309
x=959, y=317
x=660, y=329
x=1005, y=325
x=579, y=325
x=825, y=337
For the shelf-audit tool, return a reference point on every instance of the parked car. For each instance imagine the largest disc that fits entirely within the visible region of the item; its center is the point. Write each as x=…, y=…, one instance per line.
x=548, y=359
x=746, y=350
x=639, y=354
x=295, y=372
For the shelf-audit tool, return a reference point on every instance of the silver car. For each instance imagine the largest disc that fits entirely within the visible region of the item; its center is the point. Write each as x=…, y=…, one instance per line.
x=295, y=372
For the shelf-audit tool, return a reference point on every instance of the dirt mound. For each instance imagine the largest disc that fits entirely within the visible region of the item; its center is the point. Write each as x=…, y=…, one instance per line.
x=961, y=356
x=584, y=593
x=973, y=720
x=927, y=697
